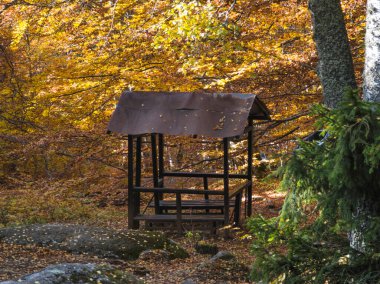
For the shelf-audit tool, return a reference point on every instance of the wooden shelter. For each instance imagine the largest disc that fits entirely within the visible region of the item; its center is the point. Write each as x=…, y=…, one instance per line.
x=222, y=116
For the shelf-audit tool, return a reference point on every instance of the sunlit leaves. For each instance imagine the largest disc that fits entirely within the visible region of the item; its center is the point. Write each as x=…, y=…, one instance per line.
x=66, y=62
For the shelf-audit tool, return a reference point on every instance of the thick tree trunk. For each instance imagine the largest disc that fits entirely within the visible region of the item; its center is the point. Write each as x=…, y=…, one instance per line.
x=336, y=73
x=356, y=235
x=372, y=53
x=365, y=210
x=335, y=68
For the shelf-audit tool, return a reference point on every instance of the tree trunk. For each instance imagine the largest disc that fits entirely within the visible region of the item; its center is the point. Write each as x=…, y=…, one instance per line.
x=371, y=92
x=372, y=53
x=336, y=73
x=361, y=216
x=335, y=69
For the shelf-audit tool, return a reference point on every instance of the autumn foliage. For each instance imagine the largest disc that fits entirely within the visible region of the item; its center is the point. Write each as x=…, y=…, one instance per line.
x=63, y=65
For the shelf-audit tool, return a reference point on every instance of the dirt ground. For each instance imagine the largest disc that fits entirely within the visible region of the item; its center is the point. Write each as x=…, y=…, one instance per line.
x=16, y=260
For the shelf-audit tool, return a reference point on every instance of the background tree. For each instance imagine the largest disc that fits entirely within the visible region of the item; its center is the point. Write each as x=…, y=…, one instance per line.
x=368, y=208
x=372, y=53
x=335, y=69
x=333, y=185
x=337, y=73
x=64, y=64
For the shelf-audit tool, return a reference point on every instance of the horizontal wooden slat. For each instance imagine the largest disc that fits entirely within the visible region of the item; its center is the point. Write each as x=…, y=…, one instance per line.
x=185, y=218
x=193, y=204
x=239, y=189
x=209, y=175
x=176, y=190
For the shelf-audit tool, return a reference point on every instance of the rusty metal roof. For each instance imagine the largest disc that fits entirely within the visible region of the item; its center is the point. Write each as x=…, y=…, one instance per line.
x=179, y=113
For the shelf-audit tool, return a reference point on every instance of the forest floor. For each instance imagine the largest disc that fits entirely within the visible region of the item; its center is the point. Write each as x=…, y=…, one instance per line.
x=17, y=260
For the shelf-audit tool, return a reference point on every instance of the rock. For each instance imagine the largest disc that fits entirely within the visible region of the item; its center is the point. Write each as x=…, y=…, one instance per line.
x=189, y=281
x=102, y=242
x=102, y=203
x=221, y=267
x=115, y=261
x=140, y=270
x=92, y=194
x=224, y=255
x=155, y=255
x=119, y=202
x=77, y=273
x=203, y=247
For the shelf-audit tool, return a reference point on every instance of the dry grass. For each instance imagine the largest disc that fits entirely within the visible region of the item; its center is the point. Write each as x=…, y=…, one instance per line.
x=52, y=202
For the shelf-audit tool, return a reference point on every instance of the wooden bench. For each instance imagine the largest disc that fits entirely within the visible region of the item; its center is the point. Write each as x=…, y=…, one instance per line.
x=184, y=218
x=234, y=199
x=151, y=221
x=200, y=204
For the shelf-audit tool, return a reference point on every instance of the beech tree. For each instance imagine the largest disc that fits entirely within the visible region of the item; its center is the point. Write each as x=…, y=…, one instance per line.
x=372, y=54
x=337, y=75
x=338, y=177
x=335, y=69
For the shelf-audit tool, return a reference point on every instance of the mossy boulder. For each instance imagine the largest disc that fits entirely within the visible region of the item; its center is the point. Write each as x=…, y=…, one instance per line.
x=76, y=273
x=102, y=242
x=222, y=267
x=204, y=247
x=156, y=255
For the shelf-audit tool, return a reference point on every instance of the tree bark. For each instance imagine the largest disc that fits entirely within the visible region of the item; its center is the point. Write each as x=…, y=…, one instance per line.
x=372, y=52
x=371, y=92
x=336, y=73
x=335, y=69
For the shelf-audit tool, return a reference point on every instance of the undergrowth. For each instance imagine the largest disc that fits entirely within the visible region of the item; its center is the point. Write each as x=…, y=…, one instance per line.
x=57, y=201
x=333, y=198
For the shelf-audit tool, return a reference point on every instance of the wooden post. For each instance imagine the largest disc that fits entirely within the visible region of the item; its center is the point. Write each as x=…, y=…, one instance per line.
x=137, y=177
x=160, y=163
x=155, y=173
x=237, y=209
x=226, y=180
x=132, y=224
x=249, y=168
x=205, y=187
x=179, y=211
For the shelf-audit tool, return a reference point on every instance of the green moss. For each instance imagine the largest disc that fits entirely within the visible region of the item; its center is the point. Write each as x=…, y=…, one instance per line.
x=203, y=247
x=104, y=274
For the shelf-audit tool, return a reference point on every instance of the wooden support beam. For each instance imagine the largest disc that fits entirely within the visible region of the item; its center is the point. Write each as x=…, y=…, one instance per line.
x=201, y=175
x=177, y=190
x=240, y=189
x=179, y=212
x=161, y=157
x=185, y=218
x=226, y=180
x=237, y=209
x=160, y=181
x=249, y=168
x=205, y=187
x=217, y=204
x=132, y=223
x=155, y=172
x=137, y=177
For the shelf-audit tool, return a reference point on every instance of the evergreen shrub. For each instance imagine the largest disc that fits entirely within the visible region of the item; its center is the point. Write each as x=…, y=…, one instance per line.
x=333, y=189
